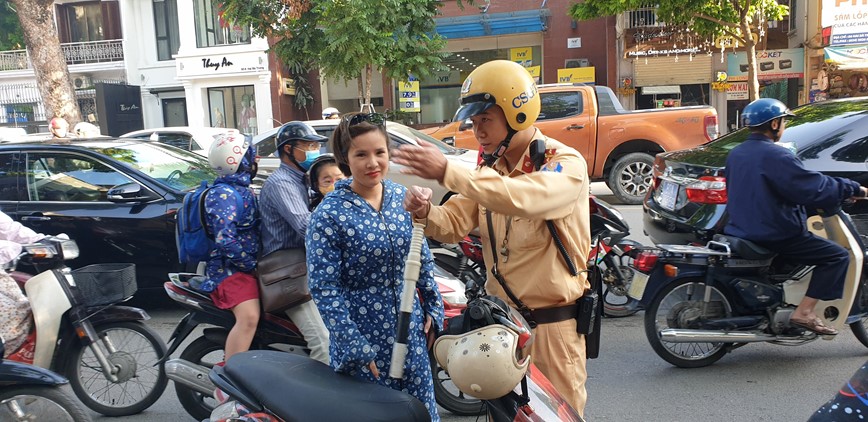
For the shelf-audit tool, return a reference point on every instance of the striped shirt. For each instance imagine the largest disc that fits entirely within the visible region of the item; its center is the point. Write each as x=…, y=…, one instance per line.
x=283, y=208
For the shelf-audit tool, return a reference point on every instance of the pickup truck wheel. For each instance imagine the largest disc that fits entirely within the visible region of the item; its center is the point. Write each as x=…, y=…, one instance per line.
x=630, y=177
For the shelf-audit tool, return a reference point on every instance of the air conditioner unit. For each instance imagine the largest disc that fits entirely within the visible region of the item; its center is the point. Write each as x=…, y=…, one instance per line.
x=570, y=63
x=82, y=82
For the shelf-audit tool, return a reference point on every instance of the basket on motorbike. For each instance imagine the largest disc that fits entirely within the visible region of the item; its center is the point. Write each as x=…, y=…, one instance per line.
x=104, y=284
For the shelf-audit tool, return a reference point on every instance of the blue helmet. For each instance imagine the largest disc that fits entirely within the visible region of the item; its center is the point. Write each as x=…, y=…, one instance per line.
x=763, y=111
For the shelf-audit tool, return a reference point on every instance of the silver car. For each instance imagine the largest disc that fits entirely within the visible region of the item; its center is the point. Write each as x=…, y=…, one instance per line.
x=398, y=135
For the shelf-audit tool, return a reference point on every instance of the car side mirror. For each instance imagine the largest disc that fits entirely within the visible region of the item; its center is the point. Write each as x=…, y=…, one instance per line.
x=128, y=192
x=466, y=124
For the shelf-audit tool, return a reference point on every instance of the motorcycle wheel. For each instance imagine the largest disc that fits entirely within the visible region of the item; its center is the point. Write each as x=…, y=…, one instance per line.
x=619, y=306
x=449, y=396
x=206, y=353
x=40, y=403
x=141, y=380
x=668, y=310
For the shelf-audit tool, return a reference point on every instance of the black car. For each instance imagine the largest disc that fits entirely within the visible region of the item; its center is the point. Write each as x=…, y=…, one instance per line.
x=116, y=198
x=687, y=199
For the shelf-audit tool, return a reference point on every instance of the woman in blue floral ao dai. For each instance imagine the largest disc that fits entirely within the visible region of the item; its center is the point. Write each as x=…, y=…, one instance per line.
x=357, y=241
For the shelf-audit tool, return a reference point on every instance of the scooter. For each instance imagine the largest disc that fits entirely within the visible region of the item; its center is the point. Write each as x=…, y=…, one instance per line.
x=30, y=393
x=105, y=350
x=276, y=332
x=702, y=302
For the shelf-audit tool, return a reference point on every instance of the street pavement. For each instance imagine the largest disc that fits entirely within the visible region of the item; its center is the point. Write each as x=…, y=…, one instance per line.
x=629, y=382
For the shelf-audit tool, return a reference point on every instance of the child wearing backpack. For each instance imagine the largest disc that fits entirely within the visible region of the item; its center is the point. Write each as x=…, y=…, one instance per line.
x=231, y=216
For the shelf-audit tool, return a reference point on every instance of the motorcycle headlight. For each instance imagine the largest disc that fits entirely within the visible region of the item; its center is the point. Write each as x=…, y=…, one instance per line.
x=69, y=249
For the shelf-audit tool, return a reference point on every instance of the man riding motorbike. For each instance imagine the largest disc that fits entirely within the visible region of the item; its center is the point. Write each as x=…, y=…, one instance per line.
x=768, y=190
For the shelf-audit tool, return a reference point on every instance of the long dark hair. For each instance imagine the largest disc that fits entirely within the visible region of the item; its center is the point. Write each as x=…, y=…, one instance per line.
x=342, y=138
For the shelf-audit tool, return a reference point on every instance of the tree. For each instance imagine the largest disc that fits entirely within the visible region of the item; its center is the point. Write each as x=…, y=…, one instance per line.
x=49, y=64
x=11, y=37
x=347, y=39
x=745, y=21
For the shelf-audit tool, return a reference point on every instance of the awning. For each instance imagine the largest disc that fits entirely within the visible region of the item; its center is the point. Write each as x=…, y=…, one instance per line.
x=848, y=56
x=488, y=24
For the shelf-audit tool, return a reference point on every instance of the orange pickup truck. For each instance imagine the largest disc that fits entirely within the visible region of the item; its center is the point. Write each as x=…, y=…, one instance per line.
x=619, y=145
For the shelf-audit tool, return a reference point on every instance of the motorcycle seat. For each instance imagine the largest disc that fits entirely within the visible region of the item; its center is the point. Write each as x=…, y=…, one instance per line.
x=298, y=388
x=745, y=248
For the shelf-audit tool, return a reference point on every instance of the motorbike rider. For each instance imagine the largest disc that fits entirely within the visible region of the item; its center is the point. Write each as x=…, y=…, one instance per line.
x=59, y=127
x=285, y=204
x=15, y=316
x=231, y=266
x=501, y=99
x=768, y=190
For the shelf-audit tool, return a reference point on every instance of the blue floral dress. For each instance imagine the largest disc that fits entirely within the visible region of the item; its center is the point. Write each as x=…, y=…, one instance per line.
x=355, y=258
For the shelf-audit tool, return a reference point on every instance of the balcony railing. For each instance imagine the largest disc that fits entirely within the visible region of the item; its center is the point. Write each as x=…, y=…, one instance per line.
x=75, y=53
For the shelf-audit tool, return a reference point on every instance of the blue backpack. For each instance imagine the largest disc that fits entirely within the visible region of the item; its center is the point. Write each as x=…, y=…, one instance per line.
x=192, y=236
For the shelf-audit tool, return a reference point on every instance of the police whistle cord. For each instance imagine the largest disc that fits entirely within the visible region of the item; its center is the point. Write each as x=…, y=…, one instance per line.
x=408, y=297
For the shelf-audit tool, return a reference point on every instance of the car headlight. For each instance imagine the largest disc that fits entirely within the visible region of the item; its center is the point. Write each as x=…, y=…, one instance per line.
x=69, y=249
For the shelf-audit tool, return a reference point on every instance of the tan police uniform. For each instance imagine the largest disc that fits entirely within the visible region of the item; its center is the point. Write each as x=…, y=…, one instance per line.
x=528, y=259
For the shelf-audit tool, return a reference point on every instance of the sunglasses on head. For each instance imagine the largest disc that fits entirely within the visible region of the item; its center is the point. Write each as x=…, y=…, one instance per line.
x=376, y=119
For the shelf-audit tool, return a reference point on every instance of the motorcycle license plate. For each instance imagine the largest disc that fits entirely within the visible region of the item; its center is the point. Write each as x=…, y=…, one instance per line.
x=637, y=286
x=668, y=195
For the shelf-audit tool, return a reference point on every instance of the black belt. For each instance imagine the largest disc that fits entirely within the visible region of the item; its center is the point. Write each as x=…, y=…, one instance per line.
x=557, y=314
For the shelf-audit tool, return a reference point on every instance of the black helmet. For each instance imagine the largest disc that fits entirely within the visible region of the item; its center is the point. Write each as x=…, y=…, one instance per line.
x=297, y=131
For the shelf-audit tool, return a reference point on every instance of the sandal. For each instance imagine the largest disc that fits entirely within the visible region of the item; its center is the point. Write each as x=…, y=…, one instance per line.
x=814, y=325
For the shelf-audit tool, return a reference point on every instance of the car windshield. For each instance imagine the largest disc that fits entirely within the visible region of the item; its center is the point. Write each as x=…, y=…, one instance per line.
x=812, y=123
x=411, y=133
x=178, y=169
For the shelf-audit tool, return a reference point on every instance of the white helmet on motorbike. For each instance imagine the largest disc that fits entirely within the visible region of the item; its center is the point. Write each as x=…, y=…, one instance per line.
x=485, y=363
x=227, y=151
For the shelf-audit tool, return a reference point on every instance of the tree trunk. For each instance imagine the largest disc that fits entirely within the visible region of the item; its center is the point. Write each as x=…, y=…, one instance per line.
x=49, y=63
x=750, y=50
x=369, y=73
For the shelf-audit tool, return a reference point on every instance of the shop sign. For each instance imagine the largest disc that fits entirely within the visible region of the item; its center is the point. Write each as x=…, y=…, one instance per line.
x=408, y=96
x=771, y=64
x=222, y=64
x=450, y=78
x=522, y=56
x=848, y=20
x=661, y=41
x=574, y=42
x=577, y=75
x=737, y=91
x=848, y=57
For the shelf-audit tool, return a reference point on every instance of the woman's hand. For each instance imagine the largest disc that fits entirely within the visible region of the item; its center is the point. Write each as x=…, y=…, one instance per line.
x=417, y=201
x=374, y=370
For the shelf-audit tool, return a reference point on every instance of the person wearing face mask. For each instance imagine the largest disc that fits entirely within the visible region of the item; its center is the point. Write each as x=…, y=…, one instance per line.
x=322, y=176
x=285, y=211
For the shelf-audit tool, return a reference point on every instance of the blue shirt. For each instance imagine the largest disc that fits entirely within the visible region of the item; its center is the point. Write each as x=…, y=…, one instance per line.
x=284, y=209
x=768, y=189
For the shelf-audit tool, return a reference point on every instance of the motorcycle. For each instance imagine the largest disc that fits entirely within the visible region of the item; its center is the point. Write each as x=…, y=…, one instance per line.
x=611, y=253
x=31, y=393
x=105, y=350
x=704, y=301
x=275, y=332
x=258, y=383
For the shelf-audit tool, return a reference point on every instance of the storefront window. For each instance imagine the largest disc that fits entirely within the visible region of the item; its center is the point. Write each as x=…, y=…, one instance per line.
x=166, y=28
x=212, y=29
x=233, y=107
